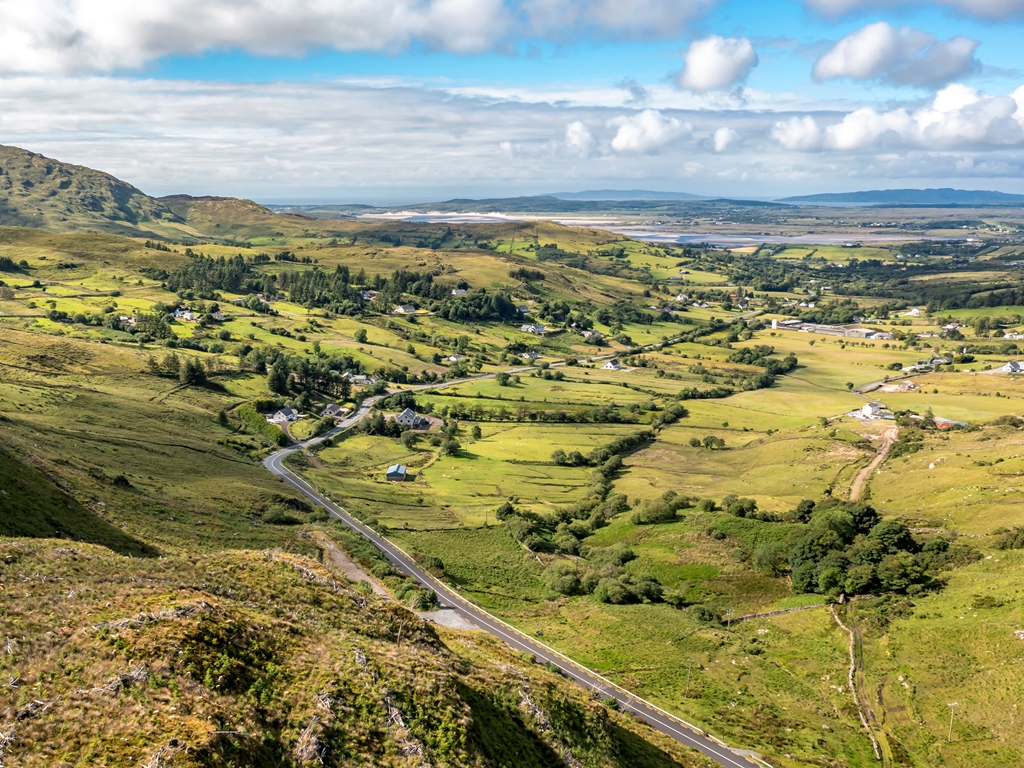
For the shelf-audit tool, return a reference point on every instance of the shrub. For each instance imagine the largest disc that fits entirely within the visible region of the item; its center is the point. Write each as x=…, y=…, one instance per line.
x=704, y=614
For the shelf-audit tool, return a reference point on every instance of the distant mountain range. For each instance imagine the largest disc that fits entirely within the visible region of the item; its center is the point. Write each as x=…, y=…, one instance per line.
x=624, y=194
x=944, y=196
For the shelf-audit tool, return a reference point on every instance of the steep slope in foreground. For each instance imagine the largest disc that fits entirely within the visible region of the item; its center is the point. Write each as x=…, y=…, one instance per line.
x=260, y=659
x=32, y=505
x=37, y=191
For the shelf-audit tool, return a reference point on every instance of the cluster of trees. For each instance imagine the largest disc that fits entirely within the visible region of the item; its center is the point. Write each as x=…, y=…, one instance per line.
x=710, y=442
x=845, y=547
x=203, y=275
x=7, y=264
x=190, y=371
x=288, y=374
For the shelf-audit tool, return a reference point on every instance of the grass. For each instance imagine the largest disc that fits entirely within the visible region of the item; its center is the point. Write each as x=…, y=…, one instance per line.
x=261, y=658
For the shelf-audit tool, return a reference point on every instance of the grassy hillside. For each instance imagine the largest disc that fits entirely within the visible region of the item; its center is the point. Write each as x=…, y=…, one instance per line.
x=32, y=505
x=37, y=191
x=261, y=658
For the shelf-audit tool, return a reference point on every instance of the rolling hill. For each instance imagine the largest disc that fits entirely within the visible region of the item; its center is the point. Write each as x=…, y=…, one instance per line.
x=945, y=196
x=37, y=191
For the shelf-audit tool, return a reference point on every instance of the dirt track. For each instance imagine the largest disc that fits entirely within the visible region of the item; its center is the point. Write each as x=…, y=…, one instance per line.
x=888, y=439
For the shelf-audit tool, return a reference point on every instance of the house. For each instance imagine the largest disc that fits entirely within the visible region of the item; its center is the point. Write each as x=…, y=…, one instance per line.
x=675, y=277
x=186, y=315
x=536, y=328
x=334, y=410
x=284, y=416
x=914, y=312
x=454, y=358
x=403, y=309
x=409, y=418
x=1012, y=367
x=1013, y=335
x=523, y=309
x=612, y=365
x=396, y=473
x=682, y=297
x=881, y=336
x=531, y=355
x=871, y=411
x=458, y=291
x=592, y=335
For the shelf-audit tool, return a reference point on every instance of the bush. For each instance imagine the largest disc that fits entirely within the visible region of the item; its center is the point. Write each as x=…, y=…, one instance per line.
x=261, y=426
x=704, y=614
x=280, y=516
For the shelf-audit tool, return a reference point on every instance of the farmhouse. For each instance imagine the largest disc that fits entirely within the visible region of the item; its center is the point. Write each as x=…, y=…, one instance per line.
x=403, y=309
x=458, y=291
x=612, y=365
x=1012, y=367
x=409, y=418
x=284, y=416
x=454, y=358
x=536, y=328
x=396, y=473
x=531, y=355
x=871, y=411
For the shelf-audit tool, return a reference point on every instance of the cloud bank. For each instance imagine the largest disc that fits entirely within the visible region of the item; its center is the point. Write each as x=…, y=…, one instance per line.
x=82, y=36
x=990, y=10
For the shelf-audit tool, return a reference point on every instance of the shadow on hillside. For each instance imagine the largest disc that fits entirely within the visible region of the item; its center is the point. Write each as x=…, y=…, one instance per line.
x=33, y=507
x=501, y=736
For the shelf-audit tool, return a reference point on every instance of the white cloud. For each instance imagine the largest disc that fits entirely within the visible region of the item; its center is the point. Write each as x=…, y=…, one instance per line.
x=983, y=9
x=647, y=132
x=901, y=56
x=723, y=137
x=958, y=117
x=717, y=62
x=74, y=36
x=579, y=139
x=801, y=134
x=612, y=18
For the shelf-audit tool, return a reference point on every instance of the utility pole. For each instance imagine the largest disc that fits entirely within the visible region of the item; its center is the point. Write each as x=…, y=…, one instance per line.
x=689, y=669
x=952, y=709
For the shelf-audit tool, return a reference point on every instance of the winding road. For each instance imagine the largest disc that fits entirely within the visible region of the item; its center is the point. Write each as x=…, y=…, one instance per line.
x=662, y=721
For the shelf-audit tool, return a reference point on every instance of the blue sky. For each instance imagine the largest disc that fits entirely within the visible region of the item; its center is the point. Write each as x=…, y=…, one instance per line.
x=403, y=100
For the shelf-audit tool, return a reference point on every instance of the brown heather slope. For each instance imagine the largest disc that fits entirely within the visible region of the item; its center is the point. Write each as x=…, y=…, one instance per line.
x=269, y=659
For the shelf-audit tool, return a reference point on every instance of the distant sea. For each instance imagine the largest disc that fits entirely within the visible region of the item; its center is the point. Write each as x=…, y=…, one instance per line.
x=654, y=233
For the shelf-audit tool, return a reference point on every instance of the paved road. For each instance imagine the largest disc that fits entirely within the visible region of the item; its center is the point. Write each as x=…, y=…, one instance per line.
x=657, y=718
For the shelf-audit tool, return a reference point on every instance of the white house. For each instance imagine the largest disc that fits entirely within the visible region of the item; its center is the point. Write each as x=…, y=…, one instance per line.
x=871, y=411
x=284, y=416
x=914, y=312
x=409, y=418
x=334, y=410
x=186, y=315
x=682, y=297
x=403, y=309
x=531, y=355
x=612, y=365
x=1012, y=367
x=454, y=358
x=536, y=328
x=458, y=291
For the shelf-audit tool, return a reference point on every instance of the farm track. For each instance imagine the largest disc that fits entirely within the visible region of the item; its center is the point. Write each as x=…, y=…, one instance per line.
x=888, y=440
x=662, y=721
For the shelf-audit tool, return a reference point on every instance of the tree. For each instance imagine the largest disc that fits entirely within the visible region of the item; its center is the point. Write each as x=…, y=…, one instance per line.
x=408, y=439
x=360, y=335
x=277, y=380
x=771, y=557
x=558, y=456
x=503, y=379
x=192, y=374
x=476, y=433
x=450, y=447
x=505, y=511
x=894, y=536
x=695, y=442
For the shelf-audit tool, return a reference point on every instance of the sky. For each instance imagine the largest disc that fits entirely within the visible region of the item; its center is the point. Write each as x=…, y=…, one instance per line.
x=395, y=101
